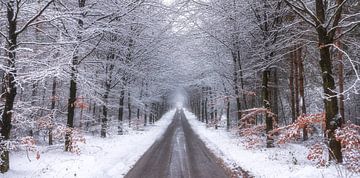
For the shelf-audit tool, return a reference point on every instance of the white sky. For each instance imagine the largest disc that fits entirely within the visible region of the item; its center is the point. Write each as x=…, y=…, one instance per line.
x=168, y=2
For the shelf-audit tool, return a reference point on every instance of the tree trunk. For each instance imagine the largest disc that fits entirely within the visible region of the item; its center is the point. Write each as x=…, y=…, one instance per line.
x=104, y=118
x=275, y=98
x=296, y=82
x=267, y=105
x=73, y=90
x=236, y=58
x=121, y=111
x=332, y=119
x=341, y=81
x=203, y=109
x=212, y=105
x=53, y=103
x=129, y=108
x=71, y=109
x=331, y=106
x=291, y=87
x=302, y=89
x=10, y=89
x=206, y=110
x=145, y=115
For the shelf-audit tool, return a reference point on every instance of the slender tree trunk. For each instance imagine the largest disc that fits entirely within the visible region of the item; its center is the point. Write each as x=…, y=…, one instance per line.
x=291, y=87
x=302, y=89
x=138, y=109
x=275, y=100
x=71, y=110
x=129, y=108
x=228, y=113
x=73, y=90
x=104, y=117
x=53, y=103
x=206, y=110
x=121, y=111
x=267, y=105
x=203, y=109
x=296, y=82
x=145, y=115
x=237, y=95
x=212, y=105
x=341, y=80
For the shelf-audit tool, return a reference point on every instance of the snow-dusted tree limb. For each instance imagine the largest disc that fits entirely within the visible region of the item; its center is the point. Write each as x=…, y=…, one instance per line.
x=347, y=28
x=336, y=15
x=300, y=11
x=41, y=11
x=6, y=38
x=92, y=50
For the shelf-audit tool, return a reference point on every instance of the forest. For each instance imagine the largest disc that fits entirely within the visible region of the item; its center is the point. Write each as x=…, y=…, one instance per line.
x=271, y=71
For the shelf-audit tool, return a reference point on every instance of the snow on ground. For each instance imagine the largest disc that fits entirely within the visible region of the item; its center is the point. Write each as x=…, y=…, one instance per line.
x=110, y=157
x=286, y=161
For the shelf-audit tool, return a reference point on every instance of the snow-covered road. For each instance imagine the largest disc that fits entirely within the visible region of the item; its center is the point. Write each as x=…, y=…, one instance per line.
x=180, y=153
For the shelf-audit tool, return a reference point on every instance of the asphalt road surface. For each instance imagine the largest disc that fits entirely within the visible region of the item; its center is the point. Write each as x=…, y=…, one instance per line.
x=178, y=154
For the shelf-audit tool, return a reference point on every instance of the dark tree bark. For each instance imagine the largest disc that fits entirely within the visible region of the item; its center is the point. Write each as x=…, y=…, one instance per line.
x=71, y=109
x=206, y=110
x=212, y=116
x=267, y=105
x=129, y=108
x=296, y=82
x=10, y=87
x=12, y=10
x=275, y=97
x=145, y=115
x=341, y=80
x=331, y=103
x=203, y=106
x=291, y=87
x=53, y=103
x=73, y=90
x=302, y=88
x=104, y=120
x=121, y=111
x=236, y=89
x=138, y=109
x=227, y=113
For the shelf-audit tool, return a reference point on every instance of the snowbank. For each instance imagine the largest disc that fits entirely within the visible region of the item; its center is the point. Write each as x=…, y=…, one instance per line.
x=110, y=157
x=287, y=161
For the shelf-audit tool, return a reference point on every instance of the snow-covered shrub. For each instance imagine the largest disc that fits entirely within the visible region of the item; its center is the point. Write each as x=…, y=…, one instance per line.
x=253, y=135
x=27, y=143
x=349, y=136
x=317, y=154
x=294, y=130
x=76, y=137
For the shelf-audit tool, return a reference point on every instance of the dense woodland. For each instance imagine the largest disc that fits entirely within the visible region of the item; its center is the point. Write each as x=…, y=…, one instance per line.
x=280, y=70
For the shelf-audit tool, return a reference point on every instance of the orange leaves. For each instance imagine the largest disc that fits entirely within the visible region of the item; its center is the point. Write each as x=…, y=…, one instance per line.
x=349, y=136
x=249, y=130
x=29, y=143
x=80, y=103
x=293, y=131
x=316, y=153
x=76, y=137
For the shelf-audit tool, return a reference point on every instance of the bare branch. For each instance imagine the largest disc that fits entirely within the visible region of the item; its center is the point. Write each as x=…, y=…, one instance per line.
x=34, y=18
